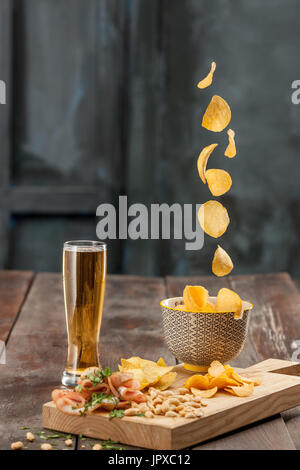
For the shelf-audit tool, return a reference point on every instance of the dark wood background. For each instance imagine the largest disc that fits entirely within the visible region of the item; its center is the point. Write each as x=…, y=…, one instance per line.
x=102, y=101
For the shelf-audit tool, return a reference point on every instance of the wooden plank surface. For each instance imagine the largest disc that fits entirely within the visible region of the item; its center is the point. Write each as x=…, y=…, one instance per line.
x=297, y=283
x=131, y=325
x=14, y=286
x=246, y=287
x=223, y=413
x=35, y=357
x=36, y=349
x=132, y=321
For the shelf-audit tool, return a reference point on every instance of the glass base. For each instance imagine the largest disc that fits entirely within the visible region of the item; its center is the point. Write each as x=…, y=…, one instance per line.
x=69, y=380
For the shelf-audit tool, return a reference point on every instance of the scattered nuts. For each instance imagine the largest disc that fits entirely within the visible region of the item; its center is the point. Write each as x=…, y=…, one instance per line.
x=190, y=415
x=97, y=447
x=17, y=445
x=171, y=414
x=46, y=447
x=183, y=391
x=130, y=412
x=68, y=442
x=30, y=437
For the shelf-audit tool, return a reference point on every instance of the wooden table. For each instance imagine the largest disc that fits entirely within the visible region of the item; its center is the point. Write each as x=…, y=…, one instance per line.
x=33, y=326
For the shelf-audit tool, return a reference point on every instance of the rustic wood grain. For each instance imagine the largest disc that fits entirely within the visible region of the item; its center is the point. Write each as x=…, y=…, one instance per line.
x=223, y=413
x=131, y=325
x=275, y=324
x=35, y=357
x=36, y=349
x=244, y=286
x=297, y=283
x=132, y=321
x=14, y=286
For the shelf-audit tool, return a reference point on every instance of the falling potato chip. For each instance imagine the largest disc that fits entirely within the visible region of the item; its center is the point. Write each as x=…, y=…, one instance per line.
x=202, y=160
x=217, y=115
x=229, y=301
x=241, y=391
x=209, y=393
x=165, y=381
x=219, y=181
x=195, y=297
x=207, y=81
x=230, y=151
x=198, y=381
x=222, y=264
x=213, y=218
x=216, y=369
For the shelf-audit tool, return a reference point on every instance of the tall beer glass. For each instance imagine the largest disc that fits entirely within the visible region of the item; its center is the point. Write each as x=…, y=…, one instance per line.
x=84, y=277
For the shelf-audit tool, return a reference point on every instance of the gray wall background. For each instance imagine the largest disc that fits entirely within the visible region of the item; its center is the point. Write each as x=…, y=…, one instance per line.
x=102, y=101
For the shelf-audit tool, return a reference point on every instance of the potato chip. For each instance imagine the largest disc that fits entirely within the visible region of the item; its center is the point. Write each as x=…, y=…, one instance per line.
x=230, y=151
x=229, y=370
x=198, y=381
x=161, y=362
x=216, y=369
x=219, y=181
x=213, y=218
x=195, y=297
x=209, y=393
x=153, y=373
x=247, y=380
x=147, y=372
x=222, y=264
x=217, y=115
x=165, y=381
x=207, y=81
x=222, y=381
x=202, y=160
x=209, y=307
x=242, y=391
x=229, y=301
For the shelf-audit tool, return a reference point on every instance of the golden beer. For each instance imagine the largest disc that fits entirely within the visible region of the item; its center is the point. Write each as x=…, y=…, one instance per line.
x=84, y=277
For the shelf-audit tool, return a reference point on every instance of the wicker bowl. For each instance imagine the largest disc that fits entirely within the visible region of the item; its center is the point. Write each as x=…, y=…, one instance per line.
x=197, y=339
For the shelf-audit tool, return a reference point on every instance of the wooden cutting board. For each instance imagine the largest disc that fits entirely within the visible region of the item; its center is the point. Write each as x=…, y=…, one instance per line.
x=279, y=391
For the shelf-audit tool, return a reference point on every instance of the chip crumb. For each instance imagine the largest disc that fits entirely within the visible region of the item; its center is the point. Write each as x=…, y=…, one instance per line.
x=46, y=447
x=97, y=447
x=68, y=442
x=29, y=436
x=17, y=445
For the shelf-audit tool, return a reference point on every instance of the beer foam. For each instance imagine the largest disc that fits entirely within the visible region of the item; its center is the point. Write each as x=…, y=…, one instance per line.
x=85, y=248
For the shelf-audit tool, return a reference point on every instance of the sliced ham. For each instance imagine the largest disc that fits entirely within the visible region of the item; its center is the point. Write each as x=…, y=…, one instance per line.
x=126, y=387
x=58, y=393
x=71, y=403
x=130, y=394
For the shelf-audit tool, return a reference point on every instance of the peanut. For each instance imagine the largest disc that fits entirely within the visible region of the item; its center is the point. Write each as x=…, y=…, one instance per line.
x=68, y=442
x=171, y=414
x=16, y=445
x=46, y=447
x=30, y=437
x=97, y=447
x=130, y=412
